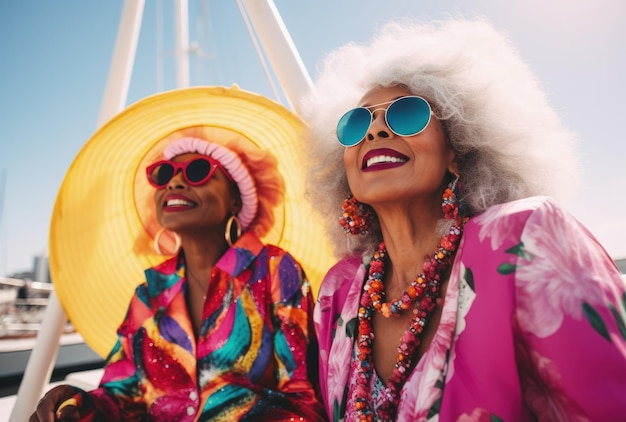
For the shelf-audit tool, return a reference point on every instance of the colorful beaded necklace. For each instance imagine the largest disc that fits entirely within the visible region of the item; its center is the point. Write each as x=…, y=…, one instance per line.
x=422, y=293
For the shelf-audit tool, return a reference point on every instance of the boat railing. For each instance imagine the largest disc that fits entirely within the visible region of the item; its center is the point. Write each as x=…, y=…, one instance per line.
x=22, y=307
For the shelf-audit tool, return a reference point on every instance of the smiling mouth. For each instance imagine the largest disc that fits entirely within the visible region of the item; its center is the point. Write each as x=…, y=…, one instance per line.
x=179, y=203
x=383, y=159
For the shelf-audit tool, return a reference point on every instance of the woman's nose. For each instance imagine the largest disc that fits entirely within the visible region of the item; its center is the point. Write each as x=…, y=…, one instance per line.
x=177, y=181
x=378, y=128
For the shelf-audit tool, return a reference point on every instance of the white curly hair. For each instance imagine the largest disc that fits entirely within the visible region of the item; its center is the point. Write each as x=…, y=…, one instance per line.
x=508, y=140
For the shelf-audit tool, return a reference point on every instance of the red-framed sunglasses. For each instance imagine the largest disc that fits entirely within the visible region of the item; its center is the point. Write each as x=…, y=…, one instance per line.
x=195, y=172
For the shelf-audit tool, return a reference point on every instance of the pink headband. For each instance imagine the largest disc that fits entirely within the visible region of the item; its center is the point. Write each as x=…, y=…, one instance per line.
x=231, y=162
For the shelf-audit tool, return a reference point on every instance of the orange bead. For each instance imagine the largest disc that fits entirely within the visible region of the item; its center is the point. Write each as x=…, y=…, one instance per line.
x=386, y=311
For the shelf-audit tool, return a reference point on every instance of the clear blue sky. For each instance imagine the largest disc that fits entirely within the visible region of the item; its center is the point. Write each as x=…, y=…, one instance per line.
x=55, y=58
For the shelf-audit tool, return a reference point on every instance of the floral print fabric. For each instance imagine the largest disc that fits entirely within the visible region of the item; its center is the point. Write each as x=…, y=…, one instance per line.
x=533, y=326
x=249, y=362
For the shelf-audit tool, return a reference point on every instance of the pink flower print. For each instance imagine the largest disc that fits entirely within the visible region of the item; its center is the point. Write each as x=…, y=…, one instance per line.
x=499, y=222
x=340, y=357
x=541, y=384
x=431, y=367
x=324, y=303
x=478, y=415
x=555, y=282
x=460, y=292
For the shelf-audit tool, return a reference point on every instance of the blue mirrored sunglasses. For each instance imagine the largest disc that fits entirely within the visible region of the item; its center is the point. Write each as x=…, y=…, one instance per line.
x=405, y=116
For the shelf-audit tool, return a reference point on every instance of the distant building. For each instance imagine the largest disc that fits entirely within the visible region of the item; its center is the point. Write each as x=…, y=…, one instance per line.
x=23, y=275
x=40, y=271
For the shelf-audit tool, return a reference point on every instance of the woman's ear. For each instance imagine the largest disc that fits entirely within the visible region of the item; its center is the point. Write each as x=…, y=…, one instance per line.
x=453, y=167
x=235, y=205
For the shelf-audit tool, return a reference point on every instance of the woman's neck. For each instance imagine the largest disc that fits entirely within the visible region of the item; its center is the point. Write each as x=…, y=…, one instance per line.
x=410, y=235
x=202, y=251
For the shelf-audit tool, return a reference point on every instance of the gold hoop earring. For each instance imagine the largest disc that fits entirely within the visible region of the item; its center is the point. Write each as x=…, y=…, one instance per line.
x=228, y=233
x=157, y=239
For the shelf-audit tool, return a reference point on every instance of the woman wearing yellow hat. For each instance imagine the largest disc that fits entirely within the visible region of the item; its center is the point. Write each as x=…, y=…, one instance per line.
x=221, y=330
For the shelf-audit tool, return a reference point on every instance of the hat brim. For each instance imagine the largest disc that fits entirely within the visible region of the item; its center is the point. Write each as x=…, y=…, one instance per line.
x=95, y=263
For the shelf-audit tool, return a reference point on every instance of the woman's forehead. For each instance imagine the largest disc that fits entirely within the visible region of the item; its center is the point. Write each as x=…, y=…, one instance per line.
x=187, y=156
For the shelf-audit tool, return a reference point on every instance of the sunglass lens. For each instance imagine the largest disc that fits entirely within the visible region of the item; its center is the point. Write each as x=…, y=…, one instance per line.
x=353, y=126
x=408, y=116
x=198, y=170
x=162, y=174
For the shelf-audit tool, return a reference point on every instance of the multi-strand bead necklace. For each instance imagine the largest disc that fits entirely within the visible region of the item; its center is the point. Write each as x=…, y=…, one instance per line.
x=421, y=296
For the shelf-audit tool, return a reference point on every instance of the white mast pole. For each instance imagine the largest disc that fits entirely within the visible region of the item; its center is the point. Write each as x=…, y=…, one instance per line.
x=182, y=43
x=121, y=70
x=280, y=49
x=43, y=355
x=40, y=362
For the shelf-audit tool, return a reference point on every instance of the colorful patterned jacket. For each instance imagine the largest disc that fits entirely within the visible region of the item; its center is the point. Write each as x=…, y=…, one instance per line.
x=250, y=362
x=533, y=326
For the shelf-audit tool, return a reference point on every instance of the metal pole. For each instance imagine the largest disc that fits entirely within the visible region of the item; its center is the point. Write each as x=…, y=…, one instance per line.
x=40, y=362
x=120, y=72
x=43, y=355
x=182, y=43
x=280, y=49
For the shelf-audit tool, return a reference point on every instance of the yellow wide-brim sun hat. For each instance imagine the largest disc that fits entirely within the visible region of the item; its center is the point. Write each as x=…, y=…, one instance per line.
x=100, y=242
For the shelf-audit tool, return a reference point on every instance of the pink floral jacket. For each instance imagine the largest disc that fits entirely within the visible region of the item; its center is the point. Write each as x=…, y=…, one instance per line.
x=533, y=326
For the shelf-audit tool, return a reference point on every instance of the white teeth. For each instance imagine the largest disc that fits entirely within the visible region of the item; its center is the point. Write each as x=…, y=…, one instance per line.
x=384, y=159
x=178, y=203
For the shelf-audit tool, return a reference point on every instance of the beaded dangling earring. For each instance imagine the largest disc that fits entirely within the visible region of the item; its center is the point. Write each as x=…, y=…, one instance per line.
x=157, y=243
x=355, y=217
x=232, y=223
x=450, y=204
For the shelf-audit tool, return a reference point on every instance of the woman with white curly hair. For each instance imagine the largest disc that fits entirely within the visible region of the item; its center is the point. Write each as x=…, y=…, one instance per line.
x=464, y=290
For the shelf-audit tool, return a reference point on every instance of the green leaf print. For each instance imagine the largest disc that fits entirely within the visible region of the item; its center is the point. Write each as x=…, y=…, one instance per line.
x=519, y=250
x=339, y=410
x=336, y=415
x=436, y=407
x=469, y=278
x=434, y=410
x=595, y=320
x=339, y=323
x=344, y=401
x=619, y=319
x=506, y=268
x=351, y=328
x=494, y=418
